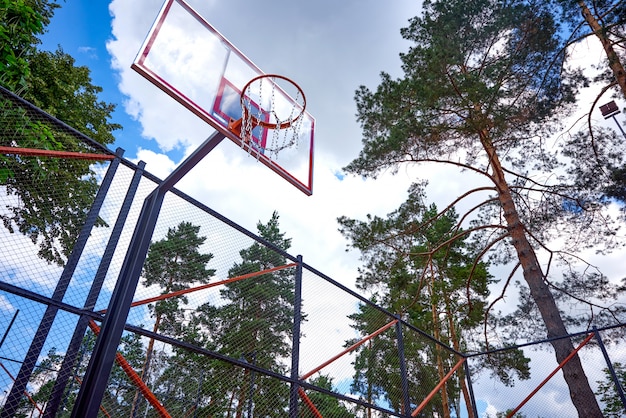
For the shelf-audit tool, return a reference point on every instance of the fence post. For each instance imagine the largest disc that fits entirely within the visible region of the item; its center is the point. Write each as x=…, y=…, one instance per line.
x=65, y=371
x=618, y=385
x=34, y=351
x=101, y=362
x=295, y=344
x=406, y=403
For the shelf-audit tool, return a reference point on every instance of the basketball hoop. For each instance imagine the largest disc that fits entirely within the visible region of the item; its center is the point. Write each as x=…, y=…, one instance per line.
x=272, y=108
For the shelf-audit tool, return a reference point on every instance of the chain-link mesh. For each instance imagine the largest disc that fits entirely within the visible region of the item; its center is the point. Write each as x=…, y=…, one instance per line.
x=211, y=330
x=545, y=393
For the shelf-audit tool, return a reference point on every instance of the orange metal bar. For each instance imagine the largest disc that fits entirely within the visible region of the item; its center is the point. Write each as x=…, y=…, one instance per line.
x=134, y=377
x=207, y=286
x=347, y=350
x=559, y=367
x=436, y=389
x=55, y=154
x=301, y=391
x=307, y=401
x=25, y=392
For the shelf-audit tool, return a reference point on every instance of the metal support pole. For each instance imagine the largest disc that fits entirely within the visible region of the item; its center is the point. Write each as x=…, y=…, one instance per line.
x=102, y=359
x=65, y=372
x=4, y=337
x=34, y=351
x=403, y=371
x=470, y=388
x=619, y=126
x=295, y=341
x=609, y=365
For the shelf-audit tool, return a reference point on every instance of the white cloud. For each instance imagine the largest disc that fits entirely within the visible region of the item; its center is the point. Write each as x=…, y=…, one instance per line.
x=5, y=305
x=160, y=164
x=230, y=181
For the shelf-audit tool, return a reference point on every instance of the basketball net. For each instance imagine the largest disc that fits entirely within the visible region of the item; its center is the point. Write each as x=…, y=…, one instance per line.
x=272, y=109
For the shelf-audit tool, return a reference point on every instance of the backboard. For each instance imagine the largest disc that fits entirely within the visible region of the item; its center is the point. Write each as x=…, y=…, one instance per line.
x=192, y=62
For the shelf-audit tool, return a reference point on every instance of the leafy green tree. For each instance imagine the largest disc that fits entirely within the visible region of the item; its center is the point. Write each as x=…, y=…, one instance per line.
x=66, y=91
x=21, y=21
x=255, y=324
x=506, y=415
x=71, y=390
x=480, y=93
x=120, y=390
x=419, y=264
x=50, y=216
x=614, y=408
x=174, y=263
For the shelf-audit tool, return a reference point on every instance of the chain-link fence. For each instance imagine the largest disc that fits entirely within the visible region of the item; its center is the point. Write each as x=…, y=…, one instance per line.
x=114, y=305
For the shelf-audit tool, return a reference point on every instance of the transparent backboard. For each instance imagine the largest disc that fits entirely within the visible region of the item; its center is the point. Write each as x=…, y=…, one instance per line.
x=191, y=61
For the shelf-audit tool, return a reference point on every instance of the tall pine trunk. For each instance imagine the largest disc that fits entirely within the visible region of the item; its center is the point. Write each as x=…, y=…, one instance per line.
x=615, y=64
x=581, y=394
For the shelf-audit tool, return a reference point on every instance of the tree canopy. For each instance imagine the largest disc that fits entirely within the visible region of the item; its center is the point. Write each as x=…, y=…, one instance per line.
x=481, y=92
x=419, y=264
x=56, y=195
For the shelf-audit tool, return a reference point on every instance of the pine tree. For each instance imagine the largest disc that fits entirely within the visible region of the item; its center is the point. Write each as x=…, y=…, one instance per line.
x=328, y=406
x=480, y=93
x=174, y=263
x=604, y=20
x=614, y=408
x=419, y=263
x=256, y=323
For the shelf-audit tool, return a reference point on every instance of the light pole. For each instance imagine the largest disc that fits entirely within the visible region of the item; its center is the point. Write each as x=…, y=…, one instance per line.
x=609, y=110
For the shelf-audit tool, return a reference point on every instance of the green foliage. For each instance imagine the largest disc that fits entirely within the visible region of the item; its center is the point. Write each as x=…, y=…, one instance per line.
x=610, y=15
x=419, y=263
x=260, y=310
x=604, y=20
x=256, y=322
x=327, y=406
x=54, y=195
x=66, y=91
x=119, y=392
x=614, y=408
x=20, y=22
x=506, y=414
x=175, y=263
x=252, y=322
x=53, y=202
x=479, y=66
x=483, y=91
